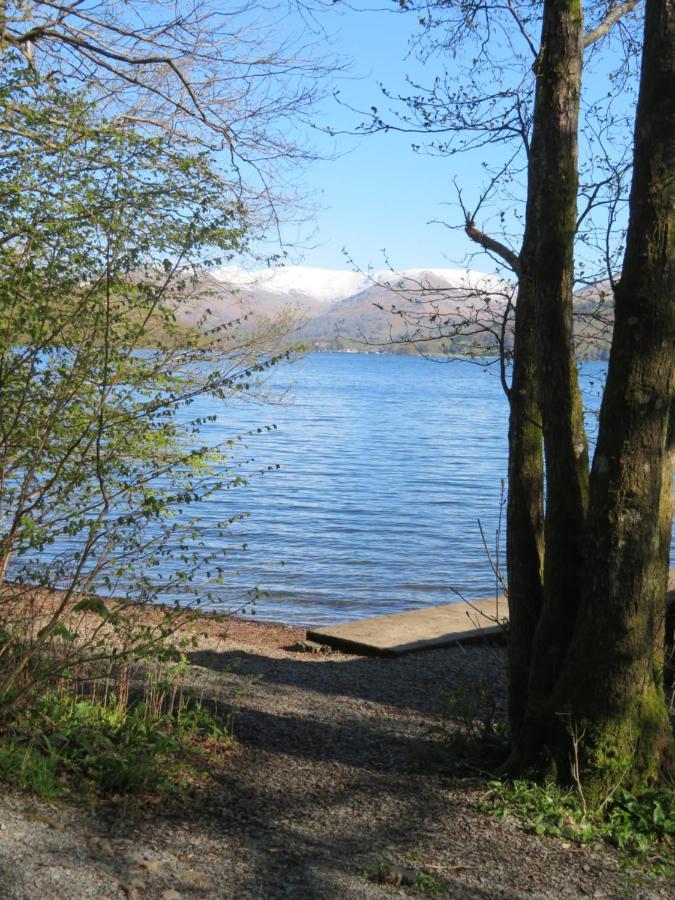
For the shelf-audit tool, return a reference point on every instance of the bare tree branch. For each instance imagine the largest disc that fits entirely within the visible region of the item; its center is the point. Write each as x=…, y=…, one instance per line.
x=610, y=19
x=493, y=245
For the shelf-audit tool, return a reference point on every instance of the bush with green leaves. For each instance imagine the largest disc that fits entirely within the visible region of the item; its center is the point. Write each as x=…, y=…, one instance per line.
x=102, y=227
x=471, y=735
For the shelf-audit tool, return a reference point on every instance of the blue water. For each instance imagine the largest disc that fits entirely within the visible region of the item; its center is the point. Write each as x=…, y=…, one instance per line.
x=387, y=466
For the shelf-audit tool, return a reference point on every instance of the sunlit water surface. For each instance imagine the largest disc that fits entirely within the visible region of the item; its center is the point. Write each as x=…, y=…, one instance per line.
x=387, y=466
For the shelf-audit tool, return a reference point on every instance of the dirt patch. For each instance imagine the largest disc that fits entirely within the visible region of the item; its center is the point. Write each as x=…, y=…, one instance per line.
x=330, y=782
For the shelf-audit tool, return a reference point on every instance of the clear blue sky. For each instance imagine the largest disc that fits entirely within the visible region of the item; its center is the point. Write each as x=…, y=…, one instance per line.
x=377, y=194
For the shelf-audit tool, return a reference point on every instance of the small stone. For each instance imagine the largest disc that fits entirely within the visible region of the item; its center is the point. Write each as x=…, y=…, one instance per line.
x=100, y=845
x=171, y=895
x=408, y=877
x=308, y=647
x=49, y=821
x=151, y=865
x=397, y=876
x=196, y=880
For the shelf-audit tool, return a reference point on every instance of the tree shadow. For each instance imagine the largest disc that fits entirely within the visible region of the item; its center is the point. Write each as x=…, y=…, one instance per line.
x=319, y=795
x=357, y=743
x=400, y=682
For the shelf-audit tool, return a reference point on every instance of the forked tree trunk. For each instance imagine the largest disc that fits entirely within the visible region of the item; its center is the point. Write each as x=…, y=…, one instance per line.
x=611, y=690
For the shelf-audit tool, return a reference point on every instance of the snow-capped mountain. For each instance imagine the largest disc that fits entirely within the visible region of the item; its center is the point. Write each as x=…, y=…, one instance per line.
x=339, y=309
x=328, y=286
x=320, y=285
x=432, y=309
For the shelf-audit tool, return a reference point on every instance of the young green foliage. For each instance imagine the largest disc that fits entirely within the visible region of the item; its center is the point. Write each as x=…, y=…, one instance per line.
x=101, y=229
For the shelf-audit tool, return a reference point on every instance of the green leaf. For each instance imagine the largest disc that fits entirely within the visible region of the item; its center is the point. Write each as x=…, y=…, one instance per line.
x=63, y=632
x=93, y=605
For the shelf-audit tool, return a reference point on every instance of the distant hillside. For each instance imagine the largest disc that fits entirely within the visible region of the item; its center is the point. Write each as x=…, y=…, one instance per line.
x=436, y=310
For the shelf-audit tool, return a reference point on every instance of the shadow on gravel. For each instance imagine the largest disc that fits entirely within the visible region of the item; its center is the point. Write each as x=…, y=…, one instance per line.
x=400, y=683
x=315, y=806
x=313, y=835
x=359, y=743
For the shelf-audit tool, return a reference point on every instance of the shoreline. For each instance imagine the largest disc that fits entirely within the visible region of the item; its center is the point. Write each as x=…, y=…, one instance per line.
x=331, y=778
x=210, y=627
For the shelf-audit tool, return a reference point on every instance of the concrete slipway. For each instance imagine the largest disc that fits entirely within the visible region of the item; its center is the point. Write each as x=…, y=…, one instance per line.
x=417, y=629
x=433, y=626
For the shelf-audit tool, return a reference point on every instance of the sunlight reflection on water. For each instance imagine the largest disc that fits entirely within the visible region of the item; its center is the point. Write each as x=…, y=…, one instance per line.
x=387, y=465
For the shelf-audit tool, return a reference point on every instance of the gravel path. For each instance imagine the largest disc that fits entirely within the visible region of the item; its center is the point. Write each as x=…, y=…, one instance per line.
x=329, y=781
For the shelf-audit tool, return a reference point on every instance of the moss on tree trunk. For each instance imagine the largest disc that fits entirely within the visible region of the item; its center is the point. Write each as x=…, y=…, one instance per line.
x=612, y=685
x=592, y=705
x=547, y=403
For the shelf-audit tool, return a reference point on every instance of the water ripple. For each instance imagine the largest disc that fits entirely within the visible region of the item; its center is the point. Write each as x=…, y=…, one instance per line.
x=387, y=464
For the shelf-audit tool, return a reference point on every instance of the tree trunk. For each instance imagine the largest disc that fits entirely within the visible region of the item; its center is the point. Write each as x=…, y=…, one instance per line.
x=618, y=643
x=525, y=510
x=554, y=182
x=541, y=618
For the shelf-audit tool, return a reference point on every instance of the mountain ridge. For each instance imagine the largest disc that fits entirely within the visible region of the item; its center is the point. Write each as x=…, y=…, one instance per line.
x=432, y=309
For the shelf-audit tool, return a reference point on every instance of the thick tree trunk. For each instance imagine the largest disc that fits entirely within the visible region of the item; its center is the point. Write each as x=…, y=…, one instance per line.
x=542, y=618
x=618, y=643
x=554, y=183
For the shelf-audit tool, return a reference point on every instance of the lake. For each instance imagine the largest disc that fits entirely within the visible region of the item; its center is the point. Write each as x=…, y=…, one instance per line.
x=387, y=466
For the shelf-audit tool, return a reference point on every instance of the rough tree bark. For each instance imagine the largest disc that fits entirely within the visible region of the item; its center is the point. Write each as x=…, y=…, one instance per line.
x=618, y=641
x=542, y=613
x=554, y=185
x=525, y=509
x=559, y=630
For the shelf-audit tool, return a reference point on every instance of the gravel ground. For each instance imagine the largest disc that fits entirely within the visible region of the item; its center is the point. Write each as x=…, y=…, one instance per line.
x=329, y=781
